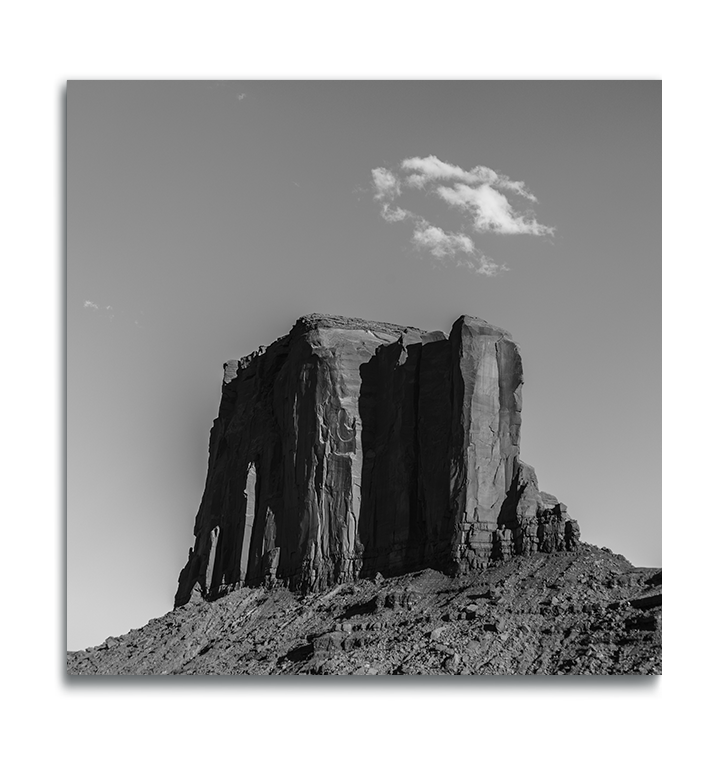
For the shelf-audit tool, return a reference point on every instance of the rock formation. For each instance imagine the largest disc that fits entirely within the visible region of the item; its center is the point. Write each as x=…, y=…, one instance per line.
x=348, y=448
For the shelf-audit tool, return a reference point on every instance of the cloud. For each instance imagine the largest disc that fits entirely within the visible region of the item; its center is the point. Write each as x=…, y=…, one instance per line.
x=431, y=169
x=394, y=214
x=490, y=210
x=386, y=184
x=443, y=245
x=481, y=264
x=480, y=194
x=440, y=243
x=241, y=97
x=107, y=311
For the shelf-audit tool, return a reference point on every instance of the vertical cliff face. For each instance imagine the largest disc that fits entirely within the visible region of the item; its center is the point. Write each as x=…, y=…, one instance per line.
x=350, y=447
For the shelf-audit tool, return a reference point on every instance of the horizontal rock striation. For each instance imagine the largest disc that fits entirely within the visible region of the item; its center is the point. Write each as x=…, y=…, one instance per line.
x=349, y=447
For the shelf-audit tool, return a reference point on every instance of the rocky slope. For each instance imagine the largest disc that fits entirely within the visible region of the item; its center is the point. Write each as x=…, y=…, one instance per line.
x=351, y=447
x=583, y=612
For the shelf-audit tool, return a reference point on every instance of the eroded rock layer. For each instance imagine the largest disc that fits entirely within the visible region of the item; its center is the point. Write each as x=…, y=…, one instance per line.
x=349, y=447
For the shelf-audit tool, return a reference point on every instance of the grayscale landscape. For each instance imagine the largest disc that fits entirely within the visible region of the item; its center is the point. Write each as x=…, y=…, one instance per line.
x=363, y=504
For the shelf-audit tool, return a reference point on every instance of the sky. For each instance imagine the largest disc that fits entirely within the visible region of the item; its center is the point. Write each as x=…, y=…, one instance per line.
x=205, y=217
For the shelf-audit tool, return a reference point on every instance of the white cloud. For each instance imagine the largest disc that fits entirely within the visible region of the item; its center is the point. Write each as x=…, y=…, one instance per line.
x=478, y=193
x=431, y=168
x=440, y=243
x=107, y=311
x=481, y=264
x=386, y=184
x=394, y=214
x=491, y=211
x=443, y=245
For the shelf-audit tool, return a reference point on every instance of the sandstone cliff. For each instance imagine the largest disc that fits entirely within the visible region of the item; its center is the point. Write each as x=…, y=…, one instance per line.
x=349, y=447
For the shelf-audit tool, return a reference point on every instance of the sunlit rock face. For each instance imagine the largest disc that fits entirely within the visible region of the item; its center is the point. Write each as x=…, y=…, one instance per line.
x=349, y=447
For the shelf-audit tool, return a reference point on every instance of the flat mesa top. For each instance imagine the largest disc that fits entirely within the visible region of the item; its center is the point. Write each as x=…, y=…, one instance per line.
x=315, y=321
x=312, y=321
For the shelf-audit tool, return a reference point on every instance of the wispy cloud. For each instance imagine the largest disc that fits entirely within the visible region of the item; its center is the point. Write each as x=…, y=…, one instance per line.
x=431, y=169
x=443, y=245
x=490, y=210
x=386, y=184
x=107, y=311
x=439, y=242
x=481, y=196
x=482, y=265
x=393, y=214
